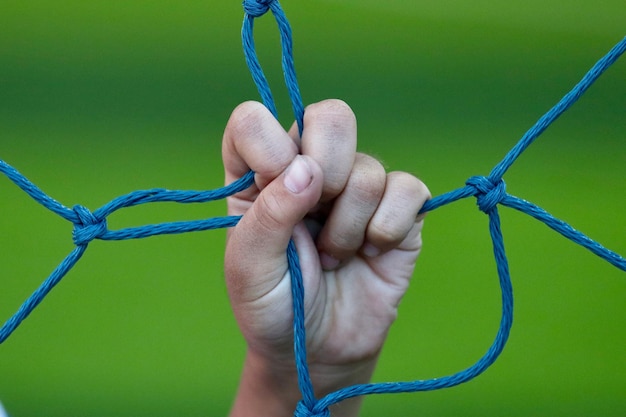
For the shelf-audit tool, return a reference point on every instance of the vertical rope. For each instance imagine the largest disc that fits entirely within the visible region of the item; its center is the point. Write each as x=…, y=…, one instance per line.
x=254, y=9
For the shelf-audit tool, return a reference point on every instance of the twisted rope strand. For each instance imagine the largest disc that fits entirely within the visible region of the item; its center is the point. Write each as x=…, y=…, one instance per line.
x=465, y=375
x=40, y=293
x=254, y=9
x=35, y=192
x=299, y=331
x=565, y=229
x=257, y=8
x=565, y=103
x=489, y=191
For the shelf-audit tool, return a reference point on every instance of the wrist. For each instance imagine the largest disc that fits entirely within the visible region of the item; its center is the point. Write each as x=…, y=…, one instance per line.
x=266, y=389
x=330, y=378
x=270, y=388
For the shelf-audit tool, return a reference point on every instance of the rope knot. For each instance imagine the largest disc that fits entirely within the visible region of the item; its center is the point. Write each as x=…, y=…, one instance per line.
x=488, y=194
x=88, y=226
x=303, y=411
x=257, y=8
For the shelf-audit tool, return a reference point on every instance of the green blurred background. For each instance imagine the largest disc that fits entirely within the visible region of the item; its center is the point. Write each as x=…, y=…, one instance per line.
x=99, y=98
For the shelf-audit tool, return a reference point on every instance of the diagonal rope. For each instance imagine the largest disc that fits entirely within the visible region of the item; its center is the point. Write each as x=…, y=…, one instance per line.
x=490, y=191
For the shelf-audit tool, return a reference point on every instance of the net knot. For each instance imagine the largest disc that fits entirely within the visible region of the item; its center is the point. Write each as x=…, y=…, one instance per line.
x=257, y=8
x=303, y=411
x=88, y=227
x=488, y=193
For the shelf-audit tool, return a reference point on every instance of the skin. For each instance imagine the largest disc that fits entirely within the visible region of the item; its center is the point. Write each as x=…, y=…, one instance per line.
x=358, y=236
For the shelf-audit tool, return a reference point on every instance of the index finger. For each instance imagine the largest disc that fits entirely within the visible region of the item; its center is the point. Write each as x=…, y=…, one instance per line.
x=254, y=140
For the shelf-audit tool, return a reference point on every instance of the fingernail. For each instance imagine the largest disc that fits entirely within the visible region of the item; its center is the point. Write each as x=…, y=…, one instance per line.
x=371, y=251
x=328, y=262
x=298, y=175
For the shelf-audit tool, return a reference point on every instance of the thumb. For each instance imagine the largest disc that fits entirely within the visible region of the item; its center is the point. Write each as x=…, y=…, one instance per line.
x=255, y=259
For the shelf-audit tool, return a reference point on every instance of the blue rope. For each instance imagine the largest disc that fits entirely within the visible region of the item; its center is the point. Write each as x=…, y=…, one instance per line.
x=89, y=226
x=254, y=9
x=490, y=191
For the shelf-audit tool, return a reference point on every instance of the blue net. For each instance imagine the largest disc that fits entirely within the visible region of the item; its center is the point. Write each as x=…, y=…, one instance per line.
x=490, y=192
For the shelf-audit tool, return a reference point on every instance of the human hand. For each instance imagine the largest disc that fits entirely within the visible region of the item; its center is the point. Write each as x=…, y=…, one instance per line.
x=358, y=235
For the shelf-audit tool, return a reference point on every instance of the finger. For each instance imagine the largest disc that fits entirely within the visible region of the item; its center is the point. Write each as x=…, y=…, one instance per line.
x=255, y=254
x=344, y=230
x=329, y=137
x=396, y=214
x=253, y=139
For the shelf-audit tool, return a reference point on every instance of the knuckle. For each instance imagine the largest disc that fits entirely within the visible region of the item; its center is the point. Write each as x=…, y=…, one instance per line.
x=254, y=138
x=368, y=178
x=408, y=185
x=244, y=119
x=269, y=212
x=384, y=231
x=335, y=108
x=342, y=244
x=403, y=197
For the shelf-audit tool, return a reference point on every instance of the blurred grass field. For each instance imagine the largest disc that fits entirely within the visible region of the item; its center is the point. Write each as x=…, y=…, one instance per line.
x=100, y=98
